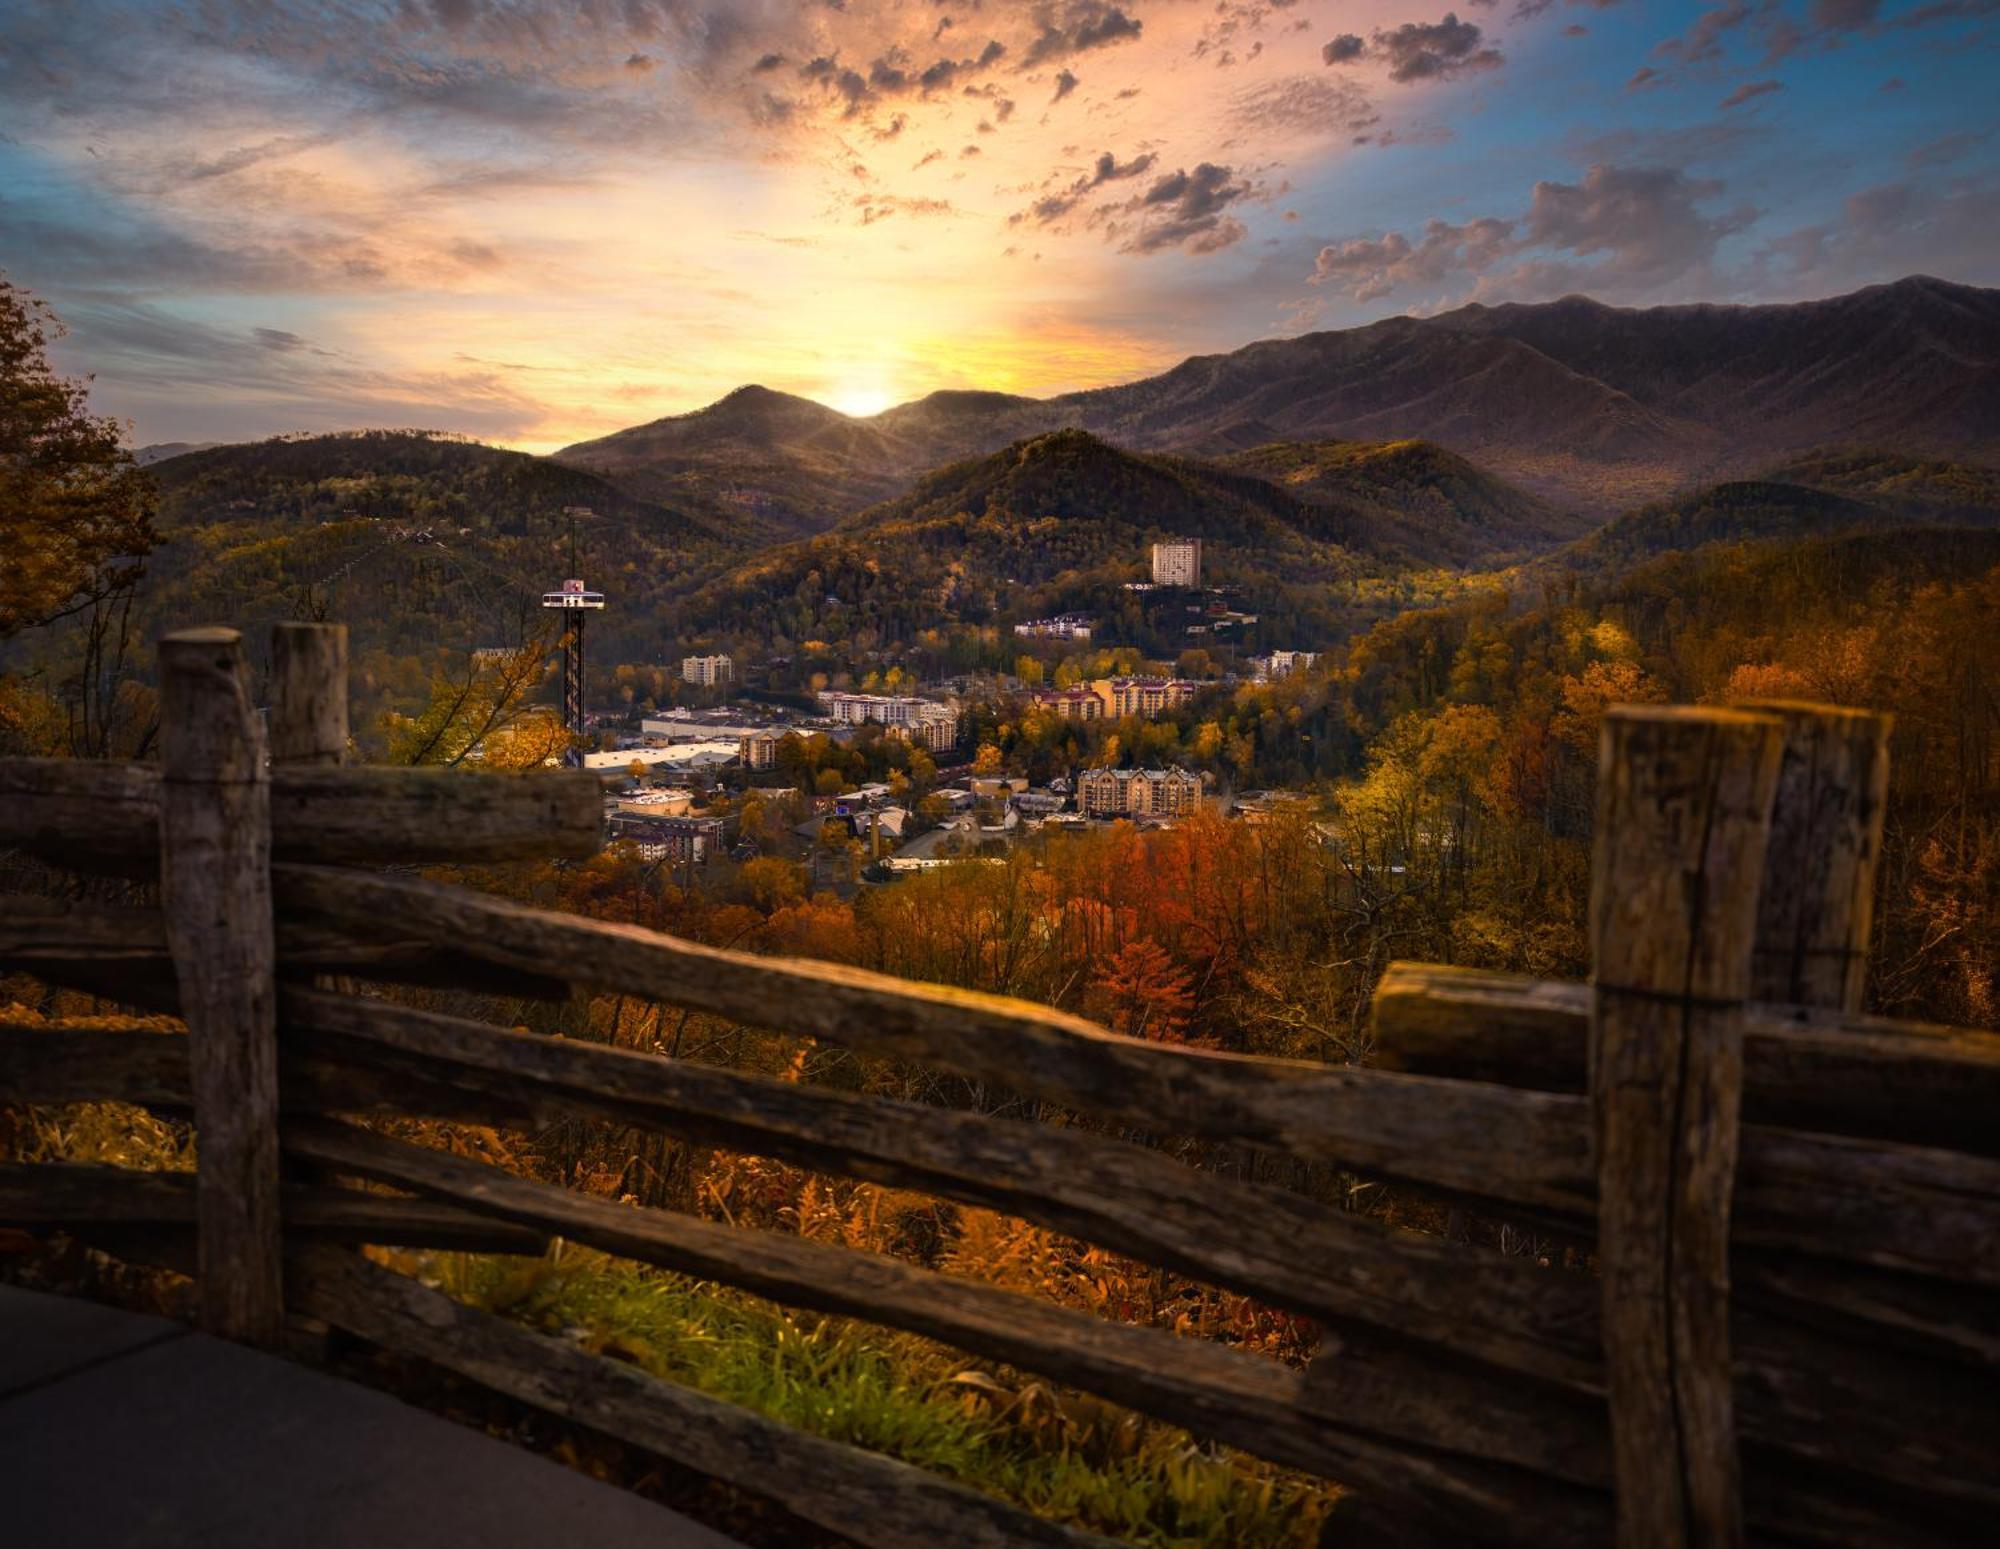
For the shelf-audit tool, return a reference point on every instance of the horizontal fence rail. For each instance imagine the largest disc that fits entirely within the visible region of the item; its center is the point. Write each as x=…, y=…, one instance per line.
x=1830, y=1372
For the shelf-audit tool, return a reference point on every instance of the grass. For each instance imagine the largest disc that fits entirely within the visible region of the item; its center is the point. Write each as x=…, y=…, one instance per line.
x=1061, y=1454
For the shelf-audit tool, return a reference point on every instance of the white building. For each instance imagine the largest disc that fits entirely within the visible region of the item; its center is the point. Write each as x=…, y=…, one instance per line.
x=1064, y=626
x=1282, y=664
x=923, y=721
x=708, y=671
x=1177, y=563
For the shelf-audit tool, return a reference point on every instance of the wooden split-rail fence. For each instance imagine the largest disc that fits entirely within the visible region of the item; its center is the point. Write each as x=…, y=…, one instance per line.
x=1792, y=1210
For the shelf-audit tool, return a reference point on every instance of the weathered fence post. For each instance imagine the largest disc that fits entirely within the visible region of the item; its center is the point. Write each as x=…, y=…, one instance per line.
x=1818, y=900
x=215, y=885
x=1683, y=811
x=308, y=718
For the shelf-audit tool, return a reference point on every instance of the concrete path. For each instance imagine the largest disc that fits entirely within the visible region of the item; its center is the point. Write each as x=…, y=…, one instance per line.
x=126, y=1432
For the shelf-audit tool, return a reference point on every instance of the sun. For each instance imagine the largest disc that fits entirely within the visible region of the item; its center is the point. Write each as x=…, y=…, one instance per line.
x=860, y=400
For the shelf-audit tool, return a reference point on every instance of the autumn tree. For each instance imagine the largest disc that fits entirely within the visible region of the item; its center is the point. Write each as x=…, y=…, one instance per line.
x=75, y=511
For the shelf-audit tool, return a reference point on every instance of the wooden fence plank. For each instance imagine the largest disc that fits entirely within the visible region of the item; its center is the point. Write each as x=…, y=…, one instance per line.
x=102, y=816
x=1276, y=1246
x=1838, y=1072
x=1449, y=1134
x=83, y=1195
x=1247, y=1401
x=872, y=1499
x=1684, y=806
x=1817, y=902
x=308, y=715
x=215, y=887
x=120, y=952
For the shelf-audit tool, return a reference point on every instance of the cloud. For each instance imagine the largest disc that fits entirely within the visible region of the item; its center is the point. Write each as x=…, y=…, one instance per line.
x=1750, y=90
x=1887, y=230
x=1065, y=84
x=1107, y=169
x=1643, y=77
x=1077, y=27
x=1435, y=51
x=1348, y=46
x=1948, y=148
x=1187, y=210
x=1311, y=105
x=1372, y=268
x=1641, y=228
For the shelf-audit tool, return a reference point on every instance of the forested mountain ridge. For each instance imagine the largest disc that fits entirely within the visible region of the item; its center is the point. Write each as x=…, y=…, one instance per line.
x=1589, y=406
x=1823, y=495
x=1053, y=522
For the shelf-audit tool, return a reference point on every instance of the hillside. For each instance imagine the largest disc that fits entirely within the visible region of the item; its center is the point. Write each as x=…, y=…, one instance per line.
x=761, y=463
x=1588, y=406
x=1822, y=496
x=1412, y=499
x=1915, y=364
x=1053, y=522
x=417, y=539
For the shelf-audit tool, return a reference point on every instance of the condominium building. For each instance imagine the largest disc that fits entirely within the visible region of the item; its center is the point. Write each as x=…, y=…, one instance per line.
x=1064, y=626
x=1070, y=704
x=1144, y=696
x=923, y=721
x=759, y=750
x=708, y=671
x=1108, y=793
x=1282, y=664
x=1177, y=563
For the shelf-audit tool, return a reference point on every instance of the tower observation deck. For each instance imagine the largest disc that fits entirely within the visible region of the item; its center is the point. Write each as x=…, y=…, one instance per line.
x=576, y=602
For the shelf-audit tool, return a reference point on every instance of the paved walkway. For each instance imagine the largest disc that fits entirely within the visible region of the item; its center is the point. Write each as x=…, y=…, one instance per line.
x=126, y=1432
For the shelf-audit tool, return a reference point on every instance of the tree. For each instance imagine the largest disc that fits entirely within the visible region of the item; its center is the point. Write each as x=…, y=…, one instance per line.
x=75, y=511
x=1142, y=993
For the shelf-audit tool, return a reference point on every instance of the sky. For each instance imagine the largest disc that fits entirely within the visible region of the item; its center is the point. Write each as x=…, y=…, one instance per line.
x=537, y=221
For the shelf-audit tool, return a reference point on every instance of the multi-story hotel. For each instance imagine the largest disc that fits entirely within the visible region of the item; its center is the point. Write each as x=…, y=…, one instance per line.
x=759, y=750
x=1144, y=696
x=1071, y=704
x=1066, y=626
x=707, y=671
x=1177, y=563
x=923, y=721
x=1111, y=793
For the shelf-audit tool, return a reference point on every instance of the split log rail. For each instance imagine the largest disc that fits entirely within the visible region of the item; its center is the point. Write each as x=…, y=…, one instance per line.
x=1788, y=1334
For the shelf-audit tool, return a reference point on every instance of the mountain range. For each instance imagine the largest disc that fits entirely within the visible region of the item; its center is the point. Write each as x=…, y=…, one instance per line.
x=1588, y=406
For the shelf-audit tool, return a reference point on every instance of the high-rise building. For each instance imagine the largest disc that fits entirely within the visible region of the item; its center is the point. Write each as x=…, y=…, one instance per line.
x=708, y=671
x=1177, y=563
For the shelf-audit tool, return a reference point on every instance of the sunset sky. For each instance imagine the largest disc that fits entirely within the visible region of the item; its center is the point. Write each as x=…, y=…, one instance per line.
x=538, y=222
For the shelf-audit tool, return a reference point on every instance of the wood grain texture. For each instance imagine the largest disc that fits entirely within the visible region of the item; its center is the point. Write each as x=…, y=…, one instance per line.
x=1839, y=1072
x=94, y=816
x=307, y=722
x=215, y=890
x=1683, y=810
x=1817, y=903
x=1244, y=1400
x=871, y=1499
